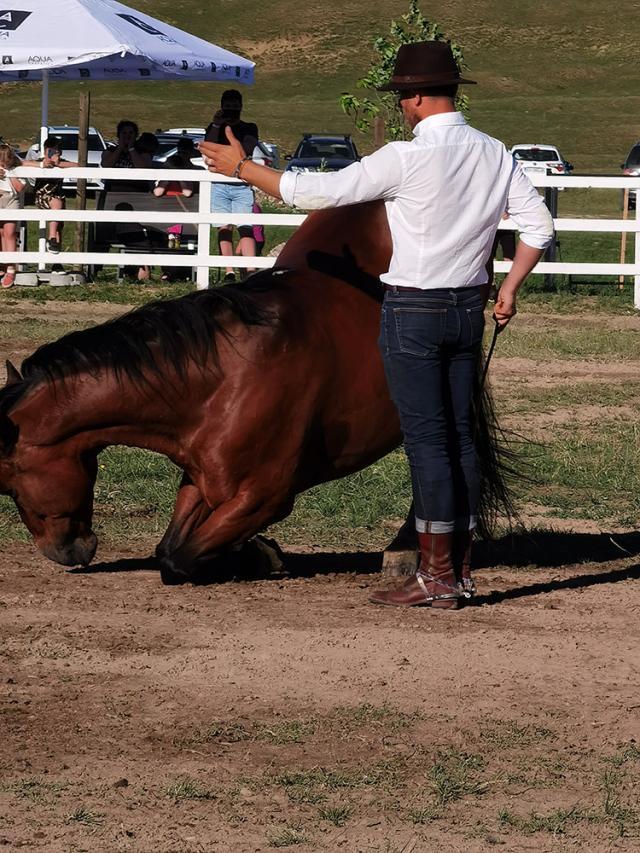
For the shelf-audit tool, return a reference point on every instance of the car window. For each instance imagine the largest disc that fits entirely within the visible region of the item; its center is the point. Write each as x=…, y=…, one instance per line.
x=69, y=142
x=633, y=158
x=536, y=155
x=319, y=148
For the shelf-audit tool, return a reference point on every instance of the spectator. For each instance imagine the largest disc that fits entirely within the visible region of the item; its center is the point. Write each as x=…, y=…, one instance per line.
x=11, y=198
x=146, y=145
x=258, y=232
x=231, y=197
x=186, y=152
x=49, y=191
x=125, y=155
x=174, y=188
x=130, y=153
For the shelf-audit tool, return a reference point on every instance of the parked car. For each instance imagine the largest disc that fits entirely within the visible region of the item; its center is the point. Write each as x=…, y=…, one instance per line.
x=168, y=140
x=265, y=153
x=319, y=152
x=631, y=167
x=541, y=160
x=69, y=139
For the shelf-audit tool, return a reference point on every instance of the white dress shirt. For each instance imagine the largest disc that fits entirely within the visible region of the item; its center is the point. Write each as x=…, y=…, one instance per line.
x=445, y=193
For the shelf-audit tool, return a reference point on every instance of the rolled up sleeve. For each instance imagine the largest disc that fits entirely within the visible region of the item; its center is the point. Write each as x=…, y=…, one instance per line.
x=376, y=176
x=528, y=211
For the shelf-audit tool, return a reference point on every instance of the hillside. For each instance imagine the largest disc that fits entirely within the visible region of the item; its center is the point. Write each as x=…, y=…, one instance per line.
x=550, y=72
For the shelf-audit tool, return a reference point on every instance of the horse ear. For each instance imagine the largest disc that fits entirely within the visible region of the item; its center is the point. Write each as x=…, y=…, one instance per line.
x=13, y=374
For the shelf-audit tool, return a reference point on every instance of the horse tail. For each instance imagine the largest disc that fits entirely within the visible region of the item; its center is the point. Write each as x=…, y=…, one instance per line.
x=498, y=469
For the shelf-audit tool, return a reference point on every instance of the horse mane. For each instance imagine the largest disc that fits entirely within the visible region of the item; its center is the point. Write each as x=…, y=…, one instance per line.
x=180, y=330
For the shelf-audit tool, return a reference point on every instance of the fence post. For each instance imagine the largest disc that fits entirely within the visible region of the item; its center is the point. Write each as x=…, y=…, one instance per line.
x=551, y=199
x=636, y=258
x=378, y=132
x=204, y=234
x=81, y=184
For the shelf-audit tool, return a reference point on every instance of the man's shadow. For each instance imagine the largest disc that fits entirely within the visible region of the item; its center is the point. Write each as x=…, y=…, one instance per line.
x=526, y=551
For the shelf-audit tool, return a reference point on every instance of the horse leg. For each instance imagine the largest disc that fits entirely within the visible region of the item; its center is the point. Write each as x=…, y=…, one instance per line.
x=400, y=555
x=199, y=532
x=190, y=511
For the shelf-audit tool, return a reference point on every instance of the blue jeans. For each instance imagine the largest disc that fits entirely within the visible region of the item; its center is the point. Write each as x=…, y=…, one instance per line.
x=430, y=343
x=231, y=198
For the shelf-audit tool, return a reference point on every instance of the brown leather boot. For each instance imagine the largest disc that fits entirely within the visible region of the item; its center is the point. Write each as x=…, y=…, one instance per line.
x=462, y=541
x=434, y=584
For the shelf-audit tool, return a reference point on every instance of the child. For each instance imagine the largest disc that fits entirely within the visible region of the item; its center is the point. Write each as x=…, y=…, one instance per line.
x=49, y=191
x=11, y=198
x=174, y=188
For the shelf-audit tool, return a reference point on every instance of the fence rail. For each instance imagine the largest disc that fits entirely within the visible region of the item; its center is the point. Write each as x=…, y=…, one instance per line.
x=205, y=220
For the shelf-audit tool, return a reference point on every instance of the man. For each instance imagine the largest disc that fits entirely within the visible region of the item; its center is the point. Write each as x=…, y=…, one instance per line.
x=445, y=193
x=233, y=198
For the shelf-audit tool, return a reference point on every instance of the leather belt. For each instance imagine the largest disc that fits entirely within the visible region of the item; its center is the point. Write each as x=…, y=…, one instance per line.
x=394, y=288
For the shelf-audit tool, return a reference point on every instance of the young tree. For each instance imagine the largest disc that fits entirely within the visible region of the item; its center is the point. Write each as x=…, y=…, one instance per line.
x=410, y=28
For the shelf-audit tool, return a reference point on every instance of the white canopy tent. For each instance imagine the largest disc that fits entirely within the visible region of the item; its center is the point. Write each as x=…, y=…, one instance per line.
x=84, y=40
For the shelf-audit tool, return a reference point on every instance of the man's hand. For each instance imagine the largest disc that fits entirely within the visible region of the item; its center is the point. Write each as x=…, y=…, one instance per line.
x=525, y=260
x=505, y=307
x=223, y=159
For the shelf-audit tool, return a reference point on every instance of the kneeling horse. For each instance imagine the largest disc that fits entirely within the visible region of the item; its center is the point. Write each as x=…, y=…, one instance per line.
x=256, y=391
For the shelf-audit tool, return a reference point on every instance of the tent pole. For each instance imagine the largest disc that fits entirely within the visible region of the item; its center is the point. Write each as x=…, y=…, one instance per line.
x=44, y=132
x=44, y=110
x=81, y=186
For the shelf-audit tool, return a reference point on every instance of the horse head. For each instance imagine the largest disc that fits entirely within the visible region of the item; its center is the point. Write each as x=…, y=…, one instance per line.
x=52, y=489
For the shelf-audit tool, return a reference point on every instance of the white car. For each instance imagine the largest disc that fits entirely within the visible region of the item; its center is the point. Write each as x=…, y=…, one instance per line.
x=68, y=137
x=541, y=159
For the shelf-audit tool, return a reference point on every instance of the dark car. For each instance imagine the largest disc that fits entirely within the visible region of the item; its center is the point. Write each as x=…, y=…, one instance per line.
x=319, y=152
x=631, y=167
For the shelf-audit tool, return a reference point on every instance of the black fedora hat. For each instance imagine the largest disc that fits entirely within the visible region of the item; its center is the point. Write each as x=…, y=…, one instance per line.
x=422, y=65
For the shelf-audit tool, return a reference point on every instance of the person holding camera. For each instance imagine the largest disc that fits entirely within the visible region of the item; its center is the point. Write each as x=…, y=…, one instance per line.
x=130, y=152
x=232, y=197
x=49, y=192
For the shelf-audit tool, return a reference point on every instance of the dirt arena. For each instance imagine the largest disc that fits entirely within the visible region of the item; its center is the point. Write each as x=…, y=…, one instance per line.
x=287, y=712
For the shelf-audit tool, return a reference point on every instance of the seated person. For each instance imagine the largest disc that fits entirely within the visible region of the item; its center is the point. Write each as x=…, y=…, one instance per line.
x=174, y=188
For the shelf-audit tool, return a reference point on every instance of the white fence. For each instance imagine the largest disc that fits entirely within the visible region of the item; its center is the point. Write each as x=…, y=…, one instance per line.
x=205, y=219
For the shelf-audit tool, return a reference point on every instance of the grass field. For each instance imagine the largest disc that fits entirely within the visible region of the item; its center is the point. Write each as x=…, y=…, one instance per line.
x=548, y=72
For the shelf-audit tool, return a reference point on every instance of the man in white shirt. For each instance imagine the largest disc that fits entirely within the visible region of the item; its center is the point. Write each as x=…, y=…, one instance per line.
x=445, y=193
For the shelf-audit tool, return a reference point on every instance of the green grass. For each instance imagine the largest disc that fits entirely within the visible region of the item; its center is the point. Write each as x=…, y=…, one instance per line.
x=337, y=815
x=592, y=474
x=34, y=790
x=454, y=775
x=189, y=789
x=287, y=836
x=85, y=817
x=557, y=822
x=342, y=724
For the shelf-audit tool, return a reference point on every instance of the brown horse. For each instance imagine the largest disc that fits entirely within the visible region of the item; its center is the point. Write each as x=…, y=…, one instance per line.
x=256, y=392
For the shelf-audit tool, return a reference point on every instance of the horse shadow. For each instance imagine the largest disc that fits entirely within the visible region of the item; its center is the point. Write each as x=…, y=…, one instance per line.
x=526, y=551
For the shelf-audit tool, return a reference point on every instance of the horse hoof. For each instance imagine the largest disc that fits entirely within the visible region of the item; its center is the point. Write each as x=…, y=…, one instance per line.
x=399, y=563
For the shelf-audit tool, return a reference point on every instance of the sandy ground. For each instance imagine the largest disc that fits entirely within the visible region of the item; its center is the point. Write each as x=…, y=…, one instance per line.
x=115, y=688
x=287, y=712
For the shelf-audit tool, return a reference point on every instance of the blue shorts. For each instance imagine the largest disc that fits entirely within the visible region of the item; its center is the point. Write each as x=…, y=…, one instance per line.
x=231, y=198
